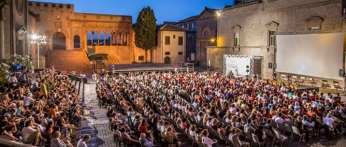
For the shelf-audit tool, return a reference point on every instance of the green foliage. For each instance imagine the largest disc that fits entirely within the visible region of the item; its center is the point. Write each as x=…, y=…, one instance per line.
x=236, y=2
x=145, y=29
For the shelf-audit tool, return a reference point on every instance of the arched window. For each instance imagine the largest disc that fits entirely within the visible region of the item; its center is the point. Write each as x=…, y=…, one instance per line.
x=126, y=38
x=76, y=41
x=89, y=39
x=95, y=38
x=108, y=38
x=102, y=39
x=120, y=39
x=114, y=39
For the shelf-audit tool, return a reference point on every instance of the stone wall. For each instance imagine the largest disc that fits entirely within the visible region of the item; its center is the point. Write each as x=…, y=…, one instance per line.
x=69, y=60
x=254, y=21
x=205, y=22
x=216, y=57
x=52, y=18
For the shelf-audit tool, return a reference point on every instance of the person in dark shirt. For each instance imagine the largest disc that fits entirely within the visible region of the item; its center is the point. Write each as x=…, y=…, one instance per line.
x=222, y=113
x=260, y=134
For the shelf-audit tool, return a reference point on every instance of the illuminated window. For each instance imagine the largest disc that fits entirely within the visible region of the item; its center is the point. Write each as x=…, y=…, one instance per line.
x=236, y=39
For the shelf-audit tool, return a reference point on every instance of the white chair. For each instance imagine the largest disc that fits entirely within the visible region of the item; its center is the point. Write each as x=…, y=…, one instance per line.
x=256, y=140
x=288, y=129
x=297, y=132
x=279, y=136
x=271, y=135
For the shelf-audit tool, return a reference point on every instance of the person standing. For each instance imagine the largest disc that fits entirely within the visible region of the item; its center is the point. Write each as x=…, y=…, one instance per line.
x=43, y=88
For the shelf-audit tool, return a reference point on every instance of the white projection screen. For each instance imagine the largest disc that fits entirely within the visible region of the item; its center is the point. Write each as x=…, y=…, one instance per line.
x=319, y=55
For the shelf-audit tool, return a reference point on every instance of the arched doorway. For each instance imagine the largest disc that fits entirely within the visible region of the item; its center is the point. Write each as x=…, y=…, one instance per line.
x=59, y=41
x=167, y=60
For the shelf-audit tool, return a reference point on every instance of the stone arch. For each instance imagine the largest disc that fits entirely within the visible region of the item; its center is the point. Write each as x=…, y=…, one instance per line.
x=59, y=41
x=167, y=60
x=236, y=26
x=52, y=32
x=120, y=38
x=89, y=38
x=95, y=38
x=205, y=31
x=114, y=38
x=102, y=38
x=108, y=38
x=314, y=23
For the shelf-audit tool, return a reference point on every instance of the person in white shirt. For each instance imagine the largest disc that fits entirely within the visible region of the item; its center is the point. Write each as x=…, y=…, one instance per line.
x=28, y=100
x=329, y=121
x=279, y=119
x=206, y=140
x=307, y=123
x=82, y=142
x=30, y=134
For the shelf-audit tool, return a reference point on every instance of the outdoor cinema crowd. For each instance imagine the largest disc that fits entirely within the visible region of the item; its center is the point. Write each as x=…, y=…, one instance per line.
x=210, y=109
x=41, y=109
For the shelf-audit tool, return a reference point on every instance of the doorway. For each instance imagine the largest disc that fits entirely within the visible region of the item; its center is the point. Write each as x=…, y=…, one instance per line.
x=59, y=41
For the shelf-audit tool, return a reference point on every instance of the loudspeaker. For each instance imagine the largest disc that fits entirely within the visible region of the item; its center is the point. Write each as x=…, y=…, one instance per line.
x=270, y=65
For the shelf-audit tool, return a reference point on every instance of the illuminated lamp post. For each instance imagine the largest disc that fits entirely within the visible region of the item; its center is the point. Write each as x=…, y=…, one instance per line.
x=38, y=40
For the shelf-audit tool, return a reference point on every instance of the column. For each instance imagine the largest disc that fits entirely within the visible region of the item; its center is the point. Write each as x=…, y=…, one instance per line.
x=2, y=39
x=2, y=33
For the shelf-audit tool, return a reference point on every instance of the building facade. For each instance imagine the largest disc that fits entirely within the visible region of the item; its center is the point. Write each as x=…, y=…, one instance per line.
x=190, y=25
x=171, y=47
x=206, y=33
x=250, y=28
x=96, y=34
x=13, y=28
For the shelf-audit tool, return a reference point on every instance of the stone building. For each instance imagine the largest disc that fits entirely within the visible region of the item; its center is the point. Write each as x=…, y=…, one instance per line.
x=206, y=33
x=14, y=23
x=73, y=37
x=250, y=29
x=170, y=47
x=190, y=25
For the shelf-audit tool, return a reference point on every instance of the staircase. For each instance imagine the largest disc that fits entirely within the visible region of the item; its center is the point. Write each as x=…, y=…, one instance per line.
x=69, y=60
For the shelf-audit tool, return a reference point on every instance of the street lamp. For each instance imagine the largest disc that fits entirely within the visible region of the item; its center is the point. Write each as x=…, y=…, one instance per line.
x=38, y=40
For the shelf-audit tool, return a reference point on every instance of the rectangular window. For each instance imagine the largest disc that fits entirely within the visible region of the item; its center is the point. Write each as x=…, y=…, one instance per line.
x=180, y=40
x=61, y=6
x=167, y=40
x=140, y=58
x=236, y=39
x=53, y=5
x=182, y=26
x=45, y=4
x=68, y=6
x=30, y=3
x=38, y=4
x=192, y=25
x=271, y=38
x=187, y=26
x=180, y=53
x=167, y=53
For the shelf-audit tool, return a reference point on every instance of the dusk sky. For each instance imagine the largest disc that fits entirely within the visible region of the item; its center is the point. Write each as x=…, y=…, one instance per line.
x=165, y=10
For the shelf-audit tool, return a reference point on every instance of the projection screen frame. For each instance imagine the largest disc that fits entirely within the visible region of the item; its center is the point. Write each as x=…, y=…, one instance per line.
x=313, y=47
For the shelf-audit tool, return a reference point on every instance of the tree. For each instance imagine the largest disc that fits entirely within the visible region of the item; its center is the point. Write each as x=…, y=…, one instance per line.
x=236, y=2
x=145, y=30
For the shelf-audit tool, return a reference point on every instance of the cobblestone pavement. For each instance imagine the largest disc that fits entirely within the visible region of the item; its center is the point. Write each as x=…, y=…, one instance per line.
x=96, y=123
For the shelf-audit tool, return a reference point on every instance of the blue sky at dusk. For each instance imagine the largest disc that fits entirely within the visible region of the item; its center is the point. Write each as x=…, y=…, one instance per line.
x=165, y=10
